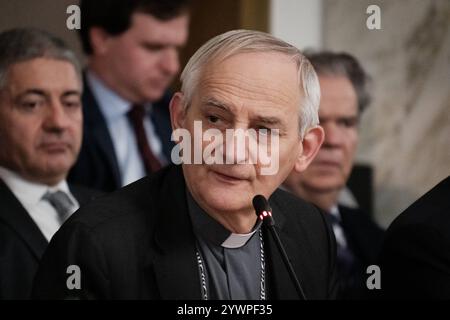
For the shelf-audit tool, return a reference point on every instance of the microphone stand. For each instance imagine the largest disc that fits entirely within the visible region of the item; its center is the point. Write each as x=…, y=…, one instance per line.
x=264, y=212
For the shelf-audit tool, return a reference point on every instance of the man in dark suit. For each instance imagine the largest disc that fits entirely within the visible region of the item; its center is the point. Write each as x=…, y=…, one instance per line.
x=415, y=258
x=132, y=49
x=344, y=92
x=190, y=231
x=40, y=137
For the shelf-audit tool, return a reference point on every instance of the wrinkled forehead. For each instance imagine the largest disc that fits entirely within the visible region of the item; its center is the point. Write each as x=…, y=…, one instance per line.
x=261, y=75
x=252, y=58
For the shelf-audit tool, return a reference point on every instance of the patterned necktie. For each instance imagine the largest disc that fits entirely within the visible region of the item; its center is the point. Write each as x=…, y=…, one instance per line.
x=136, y=116
x=345, y=257
x=61, y=202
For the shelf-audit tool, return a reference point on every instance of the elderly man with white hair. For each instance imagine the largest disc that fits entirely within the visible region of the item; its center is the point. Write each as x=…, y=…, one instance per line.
x=190, y=231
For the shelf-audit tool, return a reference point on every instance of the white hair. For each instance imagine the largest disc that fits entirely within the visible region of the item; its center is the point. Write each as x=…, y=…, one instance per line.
x=234, y=42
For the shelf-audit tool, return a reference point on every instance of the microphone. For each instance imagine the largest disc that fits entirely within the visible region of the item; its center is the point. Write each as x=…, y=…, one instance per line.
x=264, y=213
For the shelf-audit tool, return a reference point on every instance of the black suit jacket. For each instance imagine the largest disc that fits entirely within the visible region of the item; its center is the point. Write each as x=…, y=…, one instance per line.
x=364, y=238
x=415, y=259
x=97, y=165
x=138, y=243
x=22, y=244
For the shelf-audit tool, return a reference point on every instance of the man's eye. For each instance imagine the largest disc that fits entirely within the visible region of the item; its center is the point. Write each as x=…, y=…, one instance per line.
x=72, y=104
x=213, y=119
x=264, y=130
x=30, y=105
x=153, y=47
x=347, y=123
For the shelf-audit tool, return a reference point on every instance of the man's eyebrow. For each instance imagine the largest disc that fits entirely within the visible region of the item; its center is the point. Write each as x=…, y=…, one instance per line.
x=216, y=103
x=71, y=92
x=268, y=120
x=159, y=44
x=39, y=92
x=223, y=106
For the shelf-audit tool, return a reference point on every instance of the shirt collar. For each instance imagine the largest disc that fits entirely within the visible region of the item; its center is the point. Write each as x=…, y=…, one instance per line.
x=28, y=192
x=111, y=104
x=335, y=212
x=211, y=230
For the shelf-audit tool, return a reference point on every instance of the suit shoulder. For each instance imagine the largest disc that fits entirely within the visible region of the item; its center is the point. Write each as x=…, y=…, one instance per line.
x=131, y=202
x=84, y=194
x=291, y=201
x=296, y=207
x=429, y=210
x=358, y=219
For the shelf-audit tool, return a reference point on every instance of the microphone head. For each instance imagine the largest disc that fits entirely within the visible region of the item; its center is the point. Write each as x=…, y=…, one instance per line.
x=263, y=210
x=261, y=204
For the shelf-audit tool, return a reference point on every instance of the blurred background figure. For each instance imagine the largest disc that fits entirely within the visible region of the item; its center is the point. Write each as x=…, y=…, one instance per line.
x=132, y=49
x=40, y=137
x=344, y=96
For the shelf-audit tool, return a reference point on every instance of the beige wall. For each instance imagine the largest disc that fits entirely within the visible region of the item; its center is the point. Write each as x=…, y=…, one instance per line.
x=298, y=22
x=406, y=132
x=49, y=15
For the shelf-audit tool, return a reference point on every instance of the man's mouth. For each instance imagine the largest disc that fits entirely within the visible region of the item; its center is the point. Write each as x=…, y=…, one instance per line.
x=229, y=178
x=54, y=147
x=327, y=163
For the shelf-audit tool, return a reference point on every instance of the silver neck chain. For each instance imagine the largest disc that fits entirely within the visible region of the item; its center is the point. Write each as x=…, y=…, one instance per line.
x=201, y=268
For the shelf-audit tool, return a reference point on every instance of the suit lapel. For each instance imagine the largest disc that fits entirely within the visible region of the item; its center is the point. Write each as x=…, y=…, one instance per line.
x=352, y=232
x=175, y=263
x=161, y=120
x=95, y=128
x=14, y=214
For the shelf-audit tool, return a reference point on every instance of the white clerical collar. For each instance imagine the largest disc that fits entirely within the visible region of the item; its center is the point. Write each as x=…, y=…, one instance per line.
x=237, y=240
x=212, y=231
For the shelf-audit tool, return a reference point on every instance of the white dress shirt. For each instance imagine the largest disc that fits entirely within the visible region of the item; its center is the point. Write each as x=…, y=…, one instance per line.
x=30, y=196
x=114, y=109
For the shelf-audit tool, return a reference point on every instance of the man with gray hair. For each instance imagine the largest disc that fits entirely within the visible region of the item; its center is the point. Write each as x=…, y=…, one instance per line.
x=190, y=231
x=345, y=94
x=40, y=137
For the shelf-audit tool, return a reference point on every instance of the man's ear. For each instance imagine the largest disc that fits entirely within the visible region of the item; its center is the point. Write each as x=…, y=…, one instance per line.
x=177, y=111
x=99, y=40
x=311, y=144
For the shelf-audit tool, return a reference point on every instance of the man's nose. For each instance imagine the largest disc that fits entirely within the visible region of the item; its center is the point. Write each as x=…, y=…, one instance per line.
x=240, y=147
x=333, y=135
x=169, y=61
x=56, y=118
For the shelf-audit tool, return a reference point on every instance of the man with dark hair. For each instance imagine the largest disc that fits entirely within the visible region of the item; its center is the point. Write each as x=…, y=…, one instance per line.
x=344, y=96
x=132, y=49
x=40, y=137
